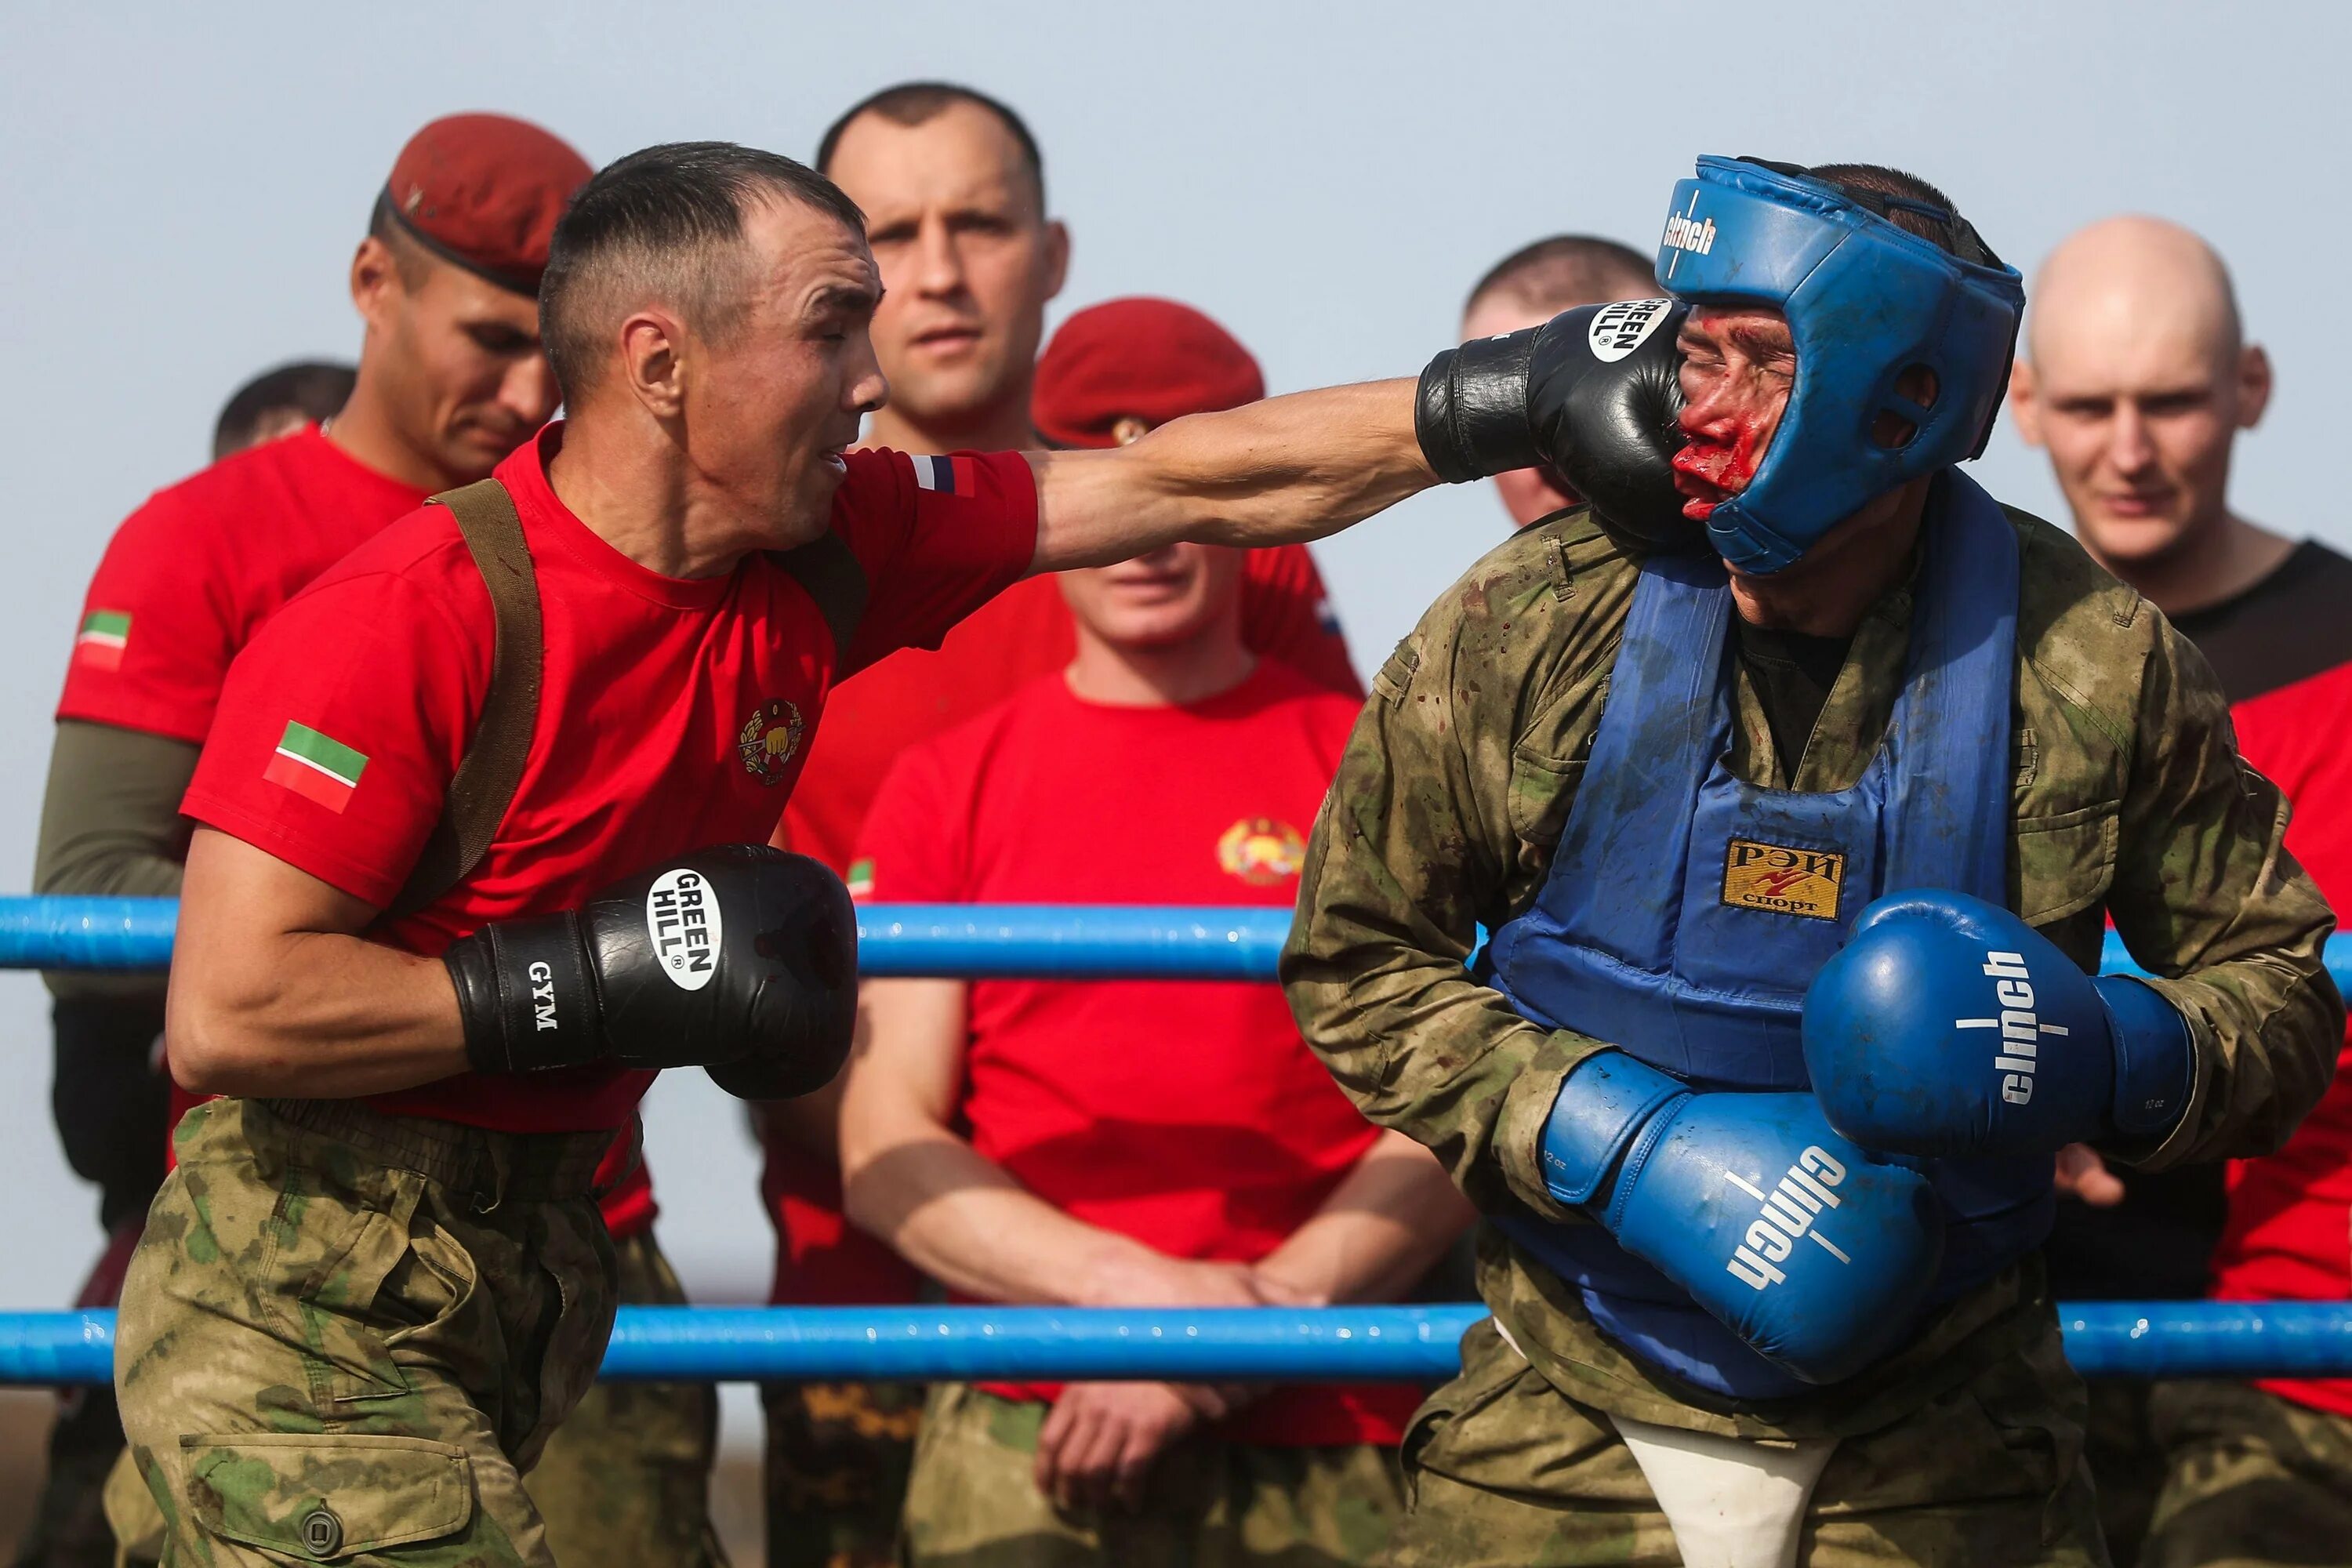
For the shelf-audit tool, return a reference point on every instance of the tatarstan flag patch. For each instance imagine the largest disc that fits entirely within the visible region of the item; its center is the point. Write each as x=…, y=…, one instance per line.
x=315, y=766
x=104, y=634
x=947, y=476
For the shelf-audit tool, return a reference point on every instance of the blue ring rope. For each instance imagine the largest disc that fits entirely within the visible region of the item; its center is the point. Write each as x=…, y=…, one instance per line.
x=2103, y=1339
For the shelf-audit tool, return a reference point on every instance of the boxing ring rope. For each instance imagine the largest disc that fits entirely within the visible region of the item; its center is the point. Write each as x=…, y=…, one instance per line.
x=2170, y=1339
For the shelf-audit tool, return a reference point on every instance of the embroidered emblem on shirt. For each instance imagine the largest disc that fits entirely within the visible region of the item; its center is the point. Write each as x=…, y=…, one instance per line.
x=1786, y=882
x=1261, y=851
x=769, y=740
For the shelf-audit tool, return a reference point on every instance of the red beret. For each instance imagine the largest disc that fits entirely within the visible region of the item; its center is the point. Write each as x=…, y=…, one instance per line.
x=484, y=192
x=1152, y=360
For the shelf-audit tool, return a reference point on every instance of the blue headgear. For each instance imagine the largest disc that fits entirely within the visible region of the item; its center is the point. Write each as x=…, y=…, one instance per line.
x=1865, y=301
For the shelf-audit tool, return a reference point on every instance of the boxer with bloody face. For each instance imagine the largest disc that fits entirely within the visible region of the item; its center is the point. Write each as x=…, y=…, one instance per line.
x=1718, y=763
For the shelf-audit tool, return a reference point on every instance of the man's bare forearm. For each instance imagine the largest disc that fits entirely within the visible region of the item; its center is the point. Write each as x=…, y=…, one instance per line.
x=1379, y=1232
x=961, y=1219
x=1281, y=471
x=338, y=1018
x=274, y=993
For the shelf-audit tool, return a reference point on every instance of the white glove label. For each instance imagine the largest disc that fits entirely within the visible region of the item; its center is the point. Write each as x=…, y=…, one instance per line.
x=682, y=919
x=1618, y=329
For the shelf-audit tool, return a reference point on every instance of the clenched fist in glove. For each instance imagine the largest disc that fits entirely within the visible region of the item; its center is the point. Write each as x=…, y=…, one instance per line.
x=1949, y=1026
x=1593, y=393
x=1816, y=1253
x=741, y=959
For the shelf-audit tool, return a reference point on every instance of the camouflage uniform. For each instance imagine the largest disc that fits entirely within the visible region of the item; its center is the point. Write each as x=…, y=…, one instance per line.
x=2254, y=1480
x=626, y=1481
x=974, y=1500
x=346, y=1335
x=2129, y=800
x=837, y=1459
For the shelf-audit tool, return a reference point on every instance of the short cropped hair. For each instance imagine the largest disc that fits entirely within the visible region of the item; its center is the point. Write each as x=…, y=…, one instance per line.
x=664, y=223
x=315, y=389
x=1911, y=205
x=915, y=102
x=411, y=260
x=1565, y=270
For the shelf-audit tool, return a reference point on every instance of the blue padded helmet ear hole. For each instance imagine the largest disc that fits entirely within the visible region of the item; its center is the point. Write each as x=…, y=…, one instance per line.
x=1910, y=405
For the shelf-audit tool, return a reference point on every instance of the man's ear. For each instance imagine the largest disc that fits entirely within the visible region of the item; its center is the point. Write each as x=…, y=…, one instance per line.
x=2254, y=385
x=1057, y=255
x=375, y=281
x=653, y=362
x=2021, y=405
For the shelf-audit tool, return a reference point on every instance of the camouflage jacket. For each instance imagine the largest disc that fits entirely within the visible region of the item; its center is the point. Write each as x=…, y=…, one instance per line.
x=2130, y=799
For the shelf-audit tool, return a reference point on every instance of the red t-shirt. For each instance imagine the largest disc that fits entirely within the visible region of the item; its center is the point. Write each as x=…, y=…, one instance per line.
x=1020, y=635
x=2283, y=651
x=1188, y=1115
x=673, y=714
x=191, y=575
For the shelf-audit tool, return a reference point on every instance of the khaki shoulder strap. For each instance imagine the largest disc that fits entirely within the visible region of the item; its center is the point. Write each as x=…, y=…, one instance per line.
x=828, y=569
x=491, y=769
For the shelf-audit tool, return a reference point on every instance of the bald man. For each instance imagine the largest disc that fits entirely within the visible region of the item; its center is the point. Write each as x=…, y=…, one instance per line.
x=1528, y=288
x=2137, y=379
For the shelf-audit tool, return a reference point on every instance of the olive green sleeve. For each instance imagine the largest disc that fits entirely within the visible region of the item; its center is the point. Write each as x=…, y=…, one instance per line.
x=1414, y=848
x=2207, y=896
x=110, y=824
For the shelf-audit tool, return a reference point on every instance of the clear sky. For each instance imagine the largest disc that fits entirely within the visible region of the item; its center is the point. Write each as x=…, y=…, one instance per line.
x=181, y=188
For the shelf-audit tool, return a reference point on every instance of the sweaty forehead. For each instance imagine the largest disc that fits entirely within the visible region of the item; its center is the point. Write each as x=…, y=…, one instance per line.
x=802, y=251
x=963, y=156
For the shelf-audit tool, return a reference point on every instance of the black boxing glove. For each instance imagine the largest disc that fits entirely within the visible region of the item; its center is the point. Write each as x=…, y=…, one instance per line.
x=1592, y=394
x=742, y=959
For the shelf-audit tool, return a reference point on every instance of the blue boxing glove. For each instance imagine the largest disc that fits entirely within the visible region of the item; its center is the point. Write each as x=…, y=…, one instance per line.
x=1948, y=1027
x=1816, y=1253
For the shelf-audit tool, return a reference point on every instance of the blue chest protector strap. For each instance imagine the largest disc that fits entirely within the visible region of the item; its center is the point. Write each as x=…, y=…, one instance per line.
x=1687, y=910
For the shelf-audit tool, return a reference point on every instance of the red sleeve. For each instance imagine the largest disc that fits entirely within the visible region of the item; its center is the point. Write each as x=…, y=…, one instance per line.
x=154, y=638
x=341, y=725
x=913, y=845
x=1287, y=616
x=939, y=537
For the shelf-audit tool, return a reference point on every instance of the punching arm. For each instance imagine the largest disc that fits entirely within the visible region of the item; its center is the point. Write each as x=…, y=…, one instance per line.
x=1281, y=471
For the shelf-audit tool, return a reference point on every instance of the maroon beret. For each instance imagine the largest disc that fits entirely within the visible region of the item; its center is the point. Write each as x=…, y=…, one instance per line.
x=484, y=192
x=1152, y=360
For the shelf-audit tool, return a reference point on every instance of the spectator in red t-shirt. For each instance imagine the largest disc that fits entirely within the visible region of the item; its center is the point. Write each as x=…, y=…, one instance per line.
x=1528, y=288
x=2137, y=378
x=954, y=193
x=1131, y=1144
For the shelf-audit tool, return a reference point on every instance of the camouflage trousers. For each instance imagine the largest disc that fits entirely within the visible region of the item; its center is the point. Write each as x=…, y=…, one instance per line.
x=972, y=1500
x=1503, y=1468
x=345, y=1336
x=626, y=1481
x=839, y=1454
x=2252, y=1481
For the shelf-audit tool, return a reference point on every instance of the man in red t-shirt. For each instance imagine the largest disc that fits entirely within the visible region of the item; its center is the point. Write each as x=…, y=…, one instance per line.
x=953, y=190
x=377, y=1278
x=450, y=380
x=1131, y=1144
x=2137, y=378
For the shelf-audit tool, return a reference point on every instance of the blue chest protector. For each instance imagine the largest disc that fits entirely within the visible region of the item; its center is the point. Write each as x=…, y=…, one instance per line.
x=1686, y=910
